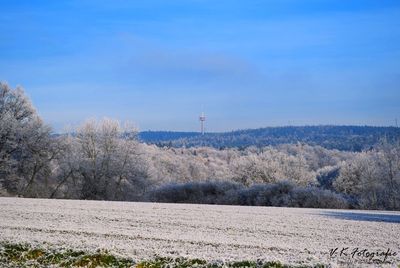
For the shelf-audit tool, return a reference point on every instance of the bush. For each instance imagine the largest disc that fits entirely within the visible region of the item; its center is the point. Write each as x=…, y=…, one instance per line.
x=281, y=194
x=193, y=192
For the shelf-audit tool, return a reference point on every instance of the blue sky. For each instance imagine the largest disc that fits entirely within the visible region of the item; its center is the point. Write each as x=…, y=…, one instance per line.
x=248, y=63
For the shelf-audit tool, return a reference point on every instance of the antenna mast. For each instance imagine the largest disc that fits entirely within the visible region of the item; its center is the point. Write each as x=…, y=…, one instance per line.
x=202, y=118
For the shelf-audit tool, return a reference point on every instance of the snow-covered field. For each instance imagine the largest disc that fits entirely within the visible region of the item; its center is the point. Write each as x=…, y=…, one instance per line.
x=142, y=230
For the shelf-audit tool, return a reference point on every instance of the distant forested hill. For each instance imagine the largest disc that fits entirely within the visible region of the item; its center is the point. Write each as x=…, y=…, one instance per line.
x=162, y=136
x=349, y=138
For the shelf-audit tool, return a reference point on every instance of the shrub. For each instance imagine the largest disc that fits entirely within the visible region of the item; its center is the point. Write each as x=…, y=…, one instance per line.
x=227, y=193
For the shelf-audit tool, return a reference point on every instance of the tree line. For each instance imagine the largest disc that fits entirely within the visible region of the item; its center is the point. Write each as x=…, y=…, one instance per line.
x=104, y=160
x=344, y=138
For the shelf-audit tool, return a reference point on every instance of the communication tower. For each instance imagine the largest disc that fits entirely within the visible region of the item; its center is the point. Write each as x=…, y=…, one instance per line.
x=202, y=119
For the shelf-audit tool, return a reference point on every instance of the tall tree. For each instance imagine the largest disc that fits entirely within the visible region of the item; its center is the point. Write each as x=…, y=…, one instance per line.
x=108, y=162
x=26, y=146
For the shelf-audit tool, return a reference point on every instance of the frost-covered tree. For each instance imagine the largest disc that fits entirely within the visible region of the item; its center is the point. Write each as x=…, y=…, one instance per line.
x=107, y=162
x=270, y=165
x=252, y=169
x=373, y=177
x=389, y=165
x=26, y=147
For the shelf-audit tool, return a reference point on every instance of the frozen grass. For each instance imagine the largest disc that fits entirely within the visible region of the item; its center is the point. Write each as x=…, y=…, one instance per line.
x=24, y=255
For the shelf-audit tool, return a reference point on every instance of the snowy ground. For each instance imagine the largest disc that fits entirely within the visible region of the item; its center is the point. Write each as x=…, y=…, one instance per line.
x=142, y=230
